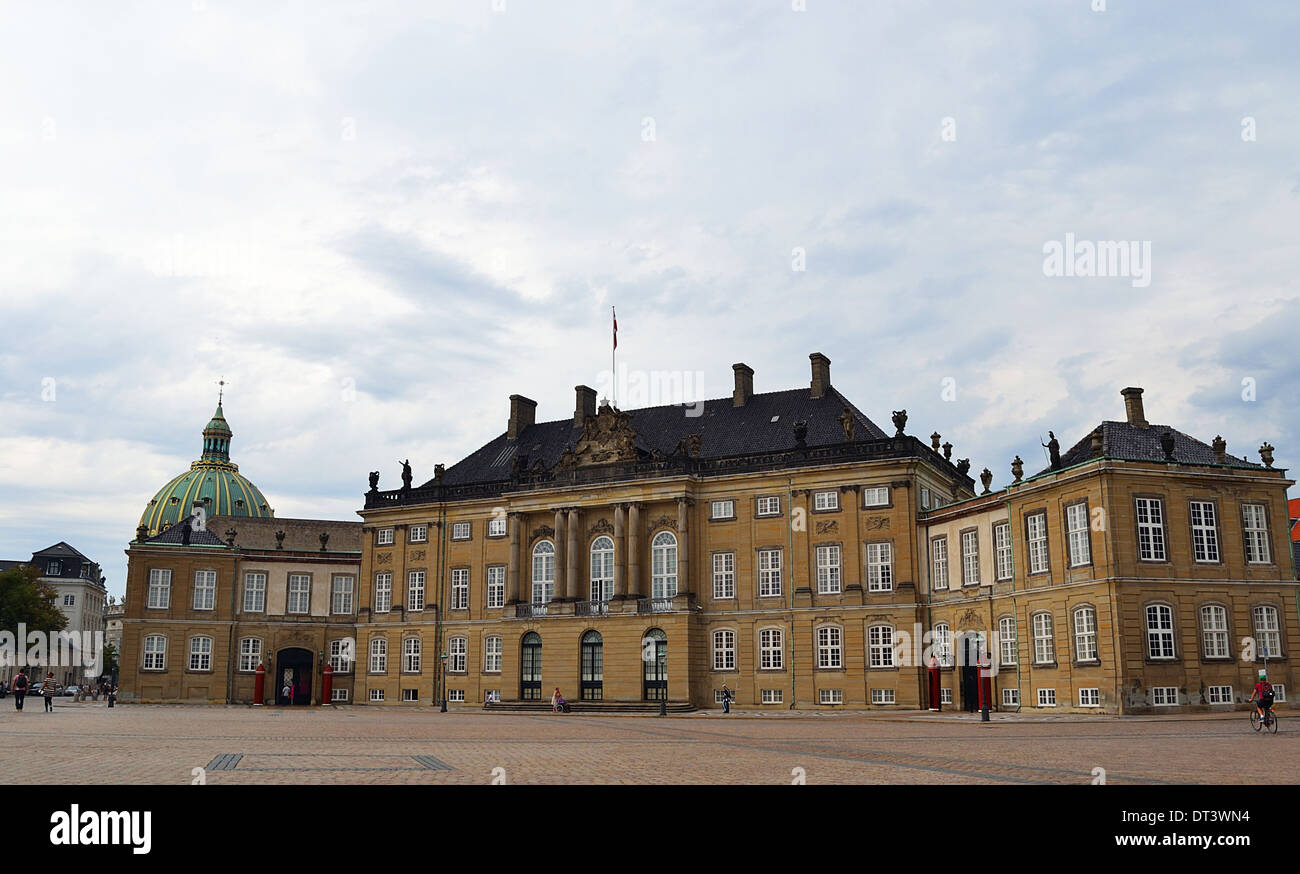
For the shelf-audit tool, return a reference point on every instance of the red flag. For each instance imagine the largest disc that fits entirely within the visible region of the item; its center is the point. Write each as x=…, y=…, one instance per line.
x=611, y=309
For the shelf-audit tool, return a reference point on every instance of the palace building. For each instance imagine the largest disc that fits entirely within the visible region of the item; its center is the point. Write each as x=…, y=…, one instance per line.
x=781, y=544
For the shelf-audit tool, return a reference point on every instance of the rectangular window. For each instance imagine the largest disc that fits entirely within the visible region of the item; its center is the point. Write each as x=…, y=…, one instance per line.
x=250, y=654
x=1151, y=529
x=1205, y=531
x=299, y=593
x=496, y=586
x=970, y=558
x=254, y=592
x=1214, y=631
x=460, y=588
x=1010, y=697
x=1085, y=634
x=341, y=598
x=1220, y=695
x=1002, y=550
x=338, y=695
x=1036, y=534
x=939, y=563
x=881, y=645
x=875, y=497
x=1268, y=635
x=456, y=695
x=1164, y=696
x=1044, y=645
x=925, y=498
x=460, y=531
x=945, y=696
x=341, y=655
x=1007, y=640
x=831, y=696
x=53, y=569
x=384, y=537
x=769, y=573
x=769, y=505
x=1160, y=632
x=419, y=534
x=496, y=527
x=160, y=589
x=415, y=590
x=1255, y=531
x=722, y=510
x=880, y=567
x=201, y=654
x=724, y=650
x=1279, y=692
x=1076, y=523
x=205, y=590
x=882, y=696
x=410, y=695
x=412, y=654
x=492, y=655
x=1090, y=697
x=830, y=647
x=828, y=569
x=383, y=592
x=773, y=696
x=1046, y=697
x=826, y=500
x=771, y=652
x=376, y=694
x=71, y=600
x=724, y=575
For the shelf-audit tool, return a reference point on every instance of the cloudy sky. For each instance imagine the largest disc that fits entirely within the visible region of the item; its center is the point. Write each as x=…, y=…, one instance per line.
x=377, y=221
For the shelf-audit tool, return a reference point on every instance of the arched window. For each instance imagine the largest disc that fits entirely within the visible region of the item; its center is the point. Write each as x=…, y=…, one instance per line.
x=1214, y=631
x=543, y=572
x=1085, y=633
x=250, y=653
x=155, y=652
x=663, y=565
x=881, y=643
x=1007, y=640
x=457, y=655
x=593, y=666
x=654, y=655
x=492, y=655
x=771, y=649
x=530, y=667
x=1044, y=639
x=1268, y=635
x=1160, y=631
x=830, y=647
x=378, y=656
x=411, y=650
x=724, y=650
x=200, y=653
x=942, y=645
x=602, y=569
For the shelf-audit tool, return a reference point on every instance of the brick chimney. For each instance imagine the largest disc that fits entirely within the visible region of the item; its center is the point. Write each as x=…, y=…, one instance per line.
x=744, y=384
x=523, y=412
x=821, y=374
x=584, y=406
x=1133, y=407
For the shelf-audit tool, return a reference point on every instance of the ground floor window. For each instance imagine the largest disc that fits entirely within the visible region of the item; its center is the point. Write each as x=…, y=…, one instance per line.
x=410, y=695
x=1219, y=694
x=338, y=694
x=1010, y=697
x=1046, y=697
x=945, y=696
x=1089, y=697
x=1279, y=692
x=1164, y=696
x=376, y=694
x=455, y=694
x=831, y=696
x=772, y=696
x=882, y=696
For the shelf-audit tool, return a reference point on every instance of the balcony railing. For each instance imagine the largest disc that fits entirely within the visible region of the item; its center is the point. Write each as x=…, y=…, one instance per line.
x=655, y=605
x=591, y=608
x=528, y=611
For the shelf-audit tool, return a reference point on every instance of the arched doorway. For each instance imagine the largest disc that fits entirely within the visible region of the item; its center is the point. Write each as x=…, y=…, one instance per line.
x=654, y=658
x=293, y=668
x=592, y=684
x=530, y=667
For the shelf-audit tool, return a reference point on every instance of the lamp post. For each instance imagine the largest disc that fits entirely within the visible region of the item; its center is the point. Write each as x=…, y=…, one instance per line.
x=982, y=677
x=443, y=659
x=663, y=661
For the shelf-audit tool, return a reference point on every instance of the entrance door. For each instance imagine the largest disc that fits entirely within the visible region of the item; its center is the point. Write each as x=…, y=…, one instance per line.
x=293, y=669
x=530, y=668
x=654, y=655
x=592, y=687
x=971, y=654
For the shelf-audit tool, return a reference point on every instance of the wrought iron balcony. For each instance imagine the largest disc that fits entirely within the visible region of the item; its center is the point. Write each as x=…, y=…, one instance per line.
x=655, y=605
x=529, y=611
x=591, y=608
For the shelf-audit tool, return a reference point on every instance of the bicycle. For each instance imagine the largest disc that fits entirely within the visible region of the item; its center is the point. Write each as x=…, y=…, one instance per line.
x=1269, y=721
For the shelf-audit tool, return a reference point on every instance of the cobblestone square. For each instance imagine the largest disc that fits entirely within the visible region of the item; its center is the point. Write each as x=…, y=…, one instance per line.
x=164, y=744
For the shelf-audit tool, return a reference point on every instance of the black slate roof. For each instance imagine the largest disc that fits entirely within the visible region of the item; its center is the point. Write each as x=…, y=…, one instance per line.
x=726, y=431
x=1131, y=443
x=59, y=550
x=6, y=564
x=175, y=534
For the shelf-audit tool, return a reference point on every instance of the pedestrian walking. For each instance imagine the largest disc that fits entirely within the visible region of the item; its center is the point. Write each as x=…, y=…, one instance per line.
x=111, y=692
x=48, y=690
x=20, y=689
x=288, y=693
x=726, y=698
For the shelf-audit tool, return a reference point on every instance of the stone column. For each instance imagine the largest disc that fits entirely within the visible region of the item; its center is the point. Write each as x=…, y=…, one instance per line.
x=561, y=557
x=683, y=546
x=574, y=560
x=634, y=550
x=512, y=572
x=620, y=553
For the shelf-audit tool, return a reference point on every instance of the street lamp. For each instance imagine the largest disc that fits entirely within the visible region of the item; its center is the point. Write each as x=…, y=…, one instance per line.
x=663, y=661
x=443, y=659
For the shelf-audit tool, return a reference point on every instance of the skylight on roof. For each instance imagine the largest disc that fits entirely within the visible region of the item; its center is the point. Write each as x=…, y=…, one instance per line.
x=774, y=418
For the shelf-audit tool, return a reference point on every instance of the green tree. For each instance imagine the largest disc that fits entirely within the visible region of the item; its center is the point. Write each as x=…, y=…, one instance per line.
x=25, y=599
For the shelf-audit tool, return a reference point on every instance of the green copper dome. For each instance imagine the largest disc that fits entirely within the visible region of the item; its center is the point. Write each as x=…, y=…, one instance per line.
x=213, y=481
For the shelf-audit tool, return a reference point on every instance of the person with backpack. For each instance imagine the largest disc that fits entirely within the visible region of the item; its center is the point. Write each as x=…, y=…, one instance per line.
x=49, y=688
x=1263, y=689
x=20, y=688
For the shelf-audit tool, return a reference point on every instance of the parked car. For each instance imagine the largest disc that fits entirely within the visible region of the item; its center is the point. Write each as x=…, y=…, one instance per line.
x=70, y=690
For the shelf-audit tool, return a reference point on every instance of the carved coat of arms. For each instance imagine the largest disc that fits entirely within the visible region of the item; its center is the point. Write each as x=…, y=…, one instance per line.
x=606, y=437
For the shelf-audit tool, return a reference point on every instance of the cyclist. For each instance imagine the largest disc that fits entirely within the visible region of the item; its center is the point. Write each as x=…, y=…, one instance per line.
x=1264, y=690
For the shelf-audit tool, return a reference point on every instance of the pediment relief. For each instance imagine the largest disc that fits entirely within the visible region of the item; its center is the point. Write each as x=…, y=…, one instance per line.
x=607, y=437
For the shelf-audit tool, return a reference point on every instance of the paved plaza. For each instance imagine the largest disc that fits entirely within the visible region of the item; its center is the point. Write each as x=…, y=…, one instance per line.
x=160, y=744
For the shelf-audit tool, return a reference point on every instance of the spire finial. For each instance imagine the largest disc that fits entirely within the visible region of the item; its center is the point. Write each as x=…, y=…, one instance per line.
x=221, y=391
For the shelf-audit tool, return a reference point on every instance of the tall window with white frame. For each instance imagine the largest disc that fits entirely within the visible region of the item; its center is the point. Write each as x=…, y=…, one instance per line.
x=341, y=654
x=663, y=566
x=1036, y=535
x=155, y=653
x=1007, y=640
x=881, y=644
x=1044, y=640
x=415, y=591
x=942, y=644
x=1002, y=551
x=939, y=563
x=1151, y=529
x=496, y=586
x=771, y=649
x=200, y=653
x=1214, y=632
x=602, y=569
x=205, y=590
x=1076, y=523
x=880, y=567
x=412, y=651
x=543, y=572
x=1205, y=531
x=724, y=575
x=299, y=600
x=492, y=655
x=160, y=589
x=769, y=573
x=250, y=654
x=828, y=569
x=724, y=650
x=457, y=655
x=460, y=588
x=1255, y=533
x=1268, y=634
x=830, y=647
x=1160, y=631
x=383, y=591
x=1085, y=634
x=378, y=656
x=970, y=558
x=341, y=600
